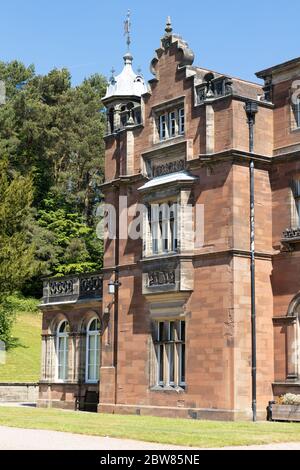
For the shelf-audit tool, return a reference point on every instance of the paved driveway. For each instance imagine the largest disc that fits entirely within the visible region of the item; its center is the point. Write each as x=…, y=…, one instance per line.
x=31, y=439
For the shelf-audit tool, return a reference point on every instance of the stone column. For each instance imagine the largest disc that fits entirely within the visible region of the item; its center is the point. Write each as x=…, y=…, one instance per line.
x=210, y=129
x=43, y=359
x=129, y=153
x=185, y=221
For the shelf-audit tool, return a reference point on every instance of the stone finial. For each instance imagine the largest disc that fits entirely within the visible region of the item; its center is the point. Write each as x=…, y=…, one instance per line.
x=168, y=28
x=112, y=77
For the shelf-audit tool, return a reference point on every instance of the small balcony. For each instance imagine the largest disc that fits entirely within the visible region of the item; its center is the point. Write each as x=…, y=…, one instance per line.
x=70, y=289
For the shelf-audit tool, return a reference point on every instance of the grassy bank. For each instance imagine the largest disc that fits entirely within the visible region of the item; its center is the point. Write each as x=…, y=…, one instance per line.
x=23, y=362
x=151, y=429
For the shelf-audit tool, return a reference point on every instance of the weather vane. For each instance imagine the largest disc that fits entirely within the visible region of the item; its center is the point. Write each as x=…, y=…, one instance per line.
x=127, y=29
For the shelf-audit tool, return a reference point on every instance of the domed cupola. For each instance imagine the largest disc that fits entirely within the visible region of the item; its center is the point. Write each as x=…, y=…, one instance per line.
x=127, y=84
x=123, y=94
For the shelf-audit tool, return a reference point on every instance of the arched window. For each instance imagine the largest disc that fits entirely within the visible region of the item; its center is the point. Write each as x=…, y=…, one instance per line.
x=293, y=340
x=62, y=348
x=92, y=351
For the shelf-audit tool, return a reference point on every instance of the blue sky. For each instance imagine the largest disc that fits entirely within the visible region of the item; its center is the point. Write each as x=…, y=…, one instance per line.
x=232, y=37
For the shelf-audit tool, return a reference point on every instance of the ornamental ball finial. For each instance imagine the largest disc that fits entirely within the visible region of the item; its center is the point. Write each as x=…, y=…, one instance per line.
x=168, y=28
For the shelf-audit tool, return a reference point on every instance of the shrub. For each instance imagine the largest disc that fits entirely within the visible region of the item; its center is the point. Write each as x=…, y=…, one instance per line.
x=290, y=399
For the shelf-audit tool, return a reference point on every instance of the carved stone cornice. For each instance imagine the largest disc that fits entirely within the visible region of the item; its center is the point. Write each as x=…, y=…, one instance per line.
x=287, y=319
x=122, y=181
x=230, y=155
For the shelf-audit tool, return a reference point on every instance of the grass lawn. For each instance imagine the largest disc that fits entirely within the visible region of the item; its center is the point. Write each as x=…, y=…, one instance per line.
x=23, y=362
x=151, y=429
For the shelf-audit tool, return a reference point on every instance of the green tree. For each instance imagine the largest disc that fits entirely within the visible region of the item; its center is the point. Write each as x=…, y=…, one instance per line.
x=54, y=132
x=16, y=254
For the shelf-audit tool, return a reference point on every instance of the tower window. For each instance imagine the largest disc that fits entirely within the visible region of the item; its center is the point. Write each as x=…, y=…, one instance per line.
x=111, y=121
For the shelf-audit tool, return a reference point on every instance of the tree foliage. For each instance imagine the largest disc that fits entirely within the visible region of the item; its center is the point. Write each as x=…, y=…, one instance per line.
x=17, y=258
x=51, y=162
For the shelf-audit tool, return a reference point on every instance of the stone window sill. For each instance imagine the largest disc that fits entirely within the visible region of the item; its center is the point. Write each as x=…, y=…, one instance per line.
x=159, y=388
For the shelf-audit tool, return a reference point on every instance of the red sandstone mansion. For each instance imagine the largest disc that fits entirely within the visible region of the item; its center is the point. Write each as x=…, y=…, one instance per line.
x=165, y=328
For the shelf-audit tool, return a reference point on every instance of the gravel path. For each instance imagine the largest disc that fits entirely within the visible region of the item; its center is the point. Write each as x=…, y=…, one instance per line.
x=31, y=439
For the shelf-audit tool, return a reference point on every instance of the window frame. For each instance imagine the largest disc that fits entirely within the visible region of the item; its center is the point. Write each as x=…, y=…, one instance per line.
x=62, y=337
x=181, y=121
x=296, y=114
x=171, y=123
x=295, y=216
x=162, y=220
x=169, y=352
x=92, y=333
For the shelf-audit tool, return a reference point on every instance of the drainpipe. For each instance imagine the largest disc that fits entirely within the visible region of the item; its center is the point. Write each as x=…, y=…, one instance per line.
x=251, y=109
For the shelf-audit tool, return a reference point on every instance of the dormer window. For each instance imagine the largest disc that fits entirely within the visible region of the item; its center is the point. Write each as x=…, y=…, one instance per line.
x=171, y=124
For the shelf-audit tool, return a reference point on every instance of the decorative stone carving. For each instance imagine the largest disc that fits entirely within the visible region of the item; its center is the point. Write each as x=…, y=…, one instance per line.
x=161, y=278
x=72, y=288
x=166, y=42
x=187, y=55
x=63, y=287
x=268, y=89
x=291, y=233
x=168, y=167
x=153, y=65
x=213, y=88
x=90, y=284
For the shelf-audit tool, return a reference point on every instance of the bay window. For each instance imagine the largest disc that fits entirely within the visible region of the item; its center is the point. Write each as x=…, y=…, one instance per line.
x=162, y=219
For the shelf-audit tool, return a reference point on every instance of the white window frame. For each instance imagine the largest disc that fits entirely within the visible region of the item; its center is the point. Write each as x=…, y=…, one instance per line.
x=163, y=229
x=171, y=124
x=163, y=134
x=295, y=204
x=64, y=338
x=89, y=334
x=181, y=121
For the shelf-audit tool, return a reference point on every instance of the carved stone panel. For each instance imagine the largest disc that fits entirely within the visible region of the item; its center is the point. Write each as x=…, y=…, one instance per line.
x=167, y=275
